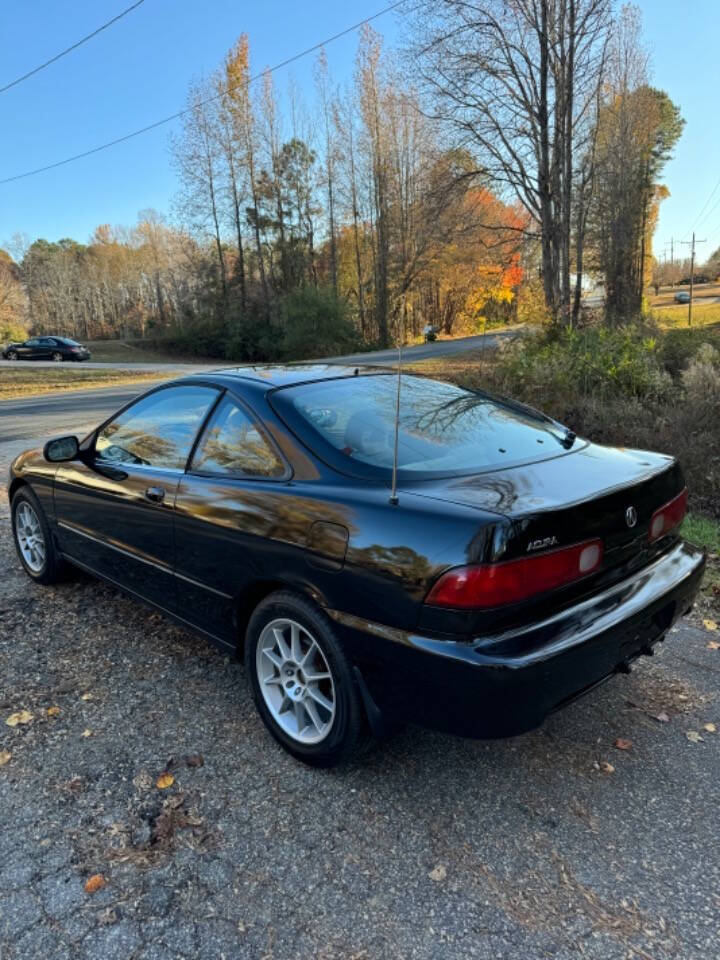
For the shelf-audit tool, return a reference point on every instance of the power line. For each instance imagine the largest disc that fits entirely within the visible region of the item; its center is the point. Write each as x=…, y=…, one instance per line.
x=712, y=210
x=181, y=113
x=712, y=194
x=79, y=43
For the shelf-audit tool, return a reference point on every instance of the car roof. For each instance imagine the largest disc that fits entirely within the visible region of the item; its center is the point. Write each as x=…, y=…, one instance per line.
x=273, y=376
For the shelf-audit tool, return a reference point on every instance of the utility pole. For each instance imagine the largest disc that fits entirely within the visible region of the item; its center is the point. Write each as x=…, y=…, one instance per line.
x=672, y=260
x=672, y=251
x=691, y=244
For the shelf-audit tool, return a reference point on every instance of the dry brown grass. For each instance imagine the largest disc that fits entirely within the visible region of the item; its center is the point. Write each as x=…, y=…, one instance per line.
x=38, y=380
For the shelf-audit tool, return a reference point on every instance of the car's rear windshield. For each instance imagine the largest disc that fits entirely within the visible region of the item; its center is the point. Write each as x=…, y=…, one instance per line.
x=68, y=342
x=443, y=428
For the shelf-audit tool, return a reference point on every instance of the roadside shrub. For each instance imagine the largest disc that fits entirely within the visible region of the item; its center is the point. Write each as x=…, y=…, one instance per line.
x=250, y=338
x=315, y=323
x=559, y=366
x=12, y=332
x=678, y=347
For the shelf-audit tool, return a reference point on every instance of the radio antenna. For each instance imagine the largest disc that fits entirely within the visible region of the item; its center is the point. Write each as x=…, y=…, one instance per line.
x=393, y=491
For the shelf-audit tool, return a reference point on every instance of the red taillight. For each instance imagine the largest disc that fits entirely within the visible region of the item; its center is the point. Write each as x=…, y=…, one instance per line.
x=669, y=517
x=495, y=584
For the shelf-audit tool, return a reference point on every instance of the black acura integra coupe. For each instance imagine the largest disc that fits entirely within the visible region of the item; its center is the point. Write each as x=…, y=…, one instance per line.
x=518, y=566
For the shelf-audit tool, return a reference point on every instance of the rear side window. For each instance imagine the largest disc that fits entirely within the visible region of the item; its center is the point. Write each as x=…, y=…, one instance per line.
x=233, y=445
x=158, y=430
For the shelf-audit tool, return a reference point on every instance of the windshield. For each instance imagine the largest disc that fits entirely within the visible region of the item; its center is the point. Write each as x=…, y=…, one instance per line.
x=443, y=428
x=68, y=342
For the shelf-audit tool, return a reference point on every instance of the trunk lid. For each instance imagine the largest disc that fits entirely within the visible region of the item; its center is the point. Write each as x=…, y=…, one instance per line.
x=591, y=492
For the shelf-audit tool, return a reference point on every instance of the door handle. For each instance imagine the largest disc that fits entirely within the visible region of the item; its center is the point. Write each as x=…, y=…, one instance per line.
x=155, y=494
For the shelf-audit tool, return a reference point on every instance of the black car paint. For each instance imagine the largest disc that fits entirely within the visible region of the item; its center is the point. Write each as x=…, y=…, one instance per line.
x=213, y=546
x=45, y=348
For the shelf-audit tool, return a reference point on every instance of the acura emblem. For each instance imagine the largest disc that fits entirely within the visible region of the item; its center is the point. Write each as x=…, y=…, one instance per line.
x=631, y=516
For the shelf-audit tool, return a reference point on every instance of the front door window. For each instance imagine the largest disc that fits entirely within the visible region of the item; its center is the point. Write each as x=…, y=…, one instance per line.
x=158, y=430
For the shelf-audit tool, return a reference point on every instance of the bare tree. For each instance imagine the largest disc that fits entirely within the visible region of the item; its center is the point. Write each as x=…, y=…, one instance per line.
x=198, y=160
x=514, y=82
x=330, y=160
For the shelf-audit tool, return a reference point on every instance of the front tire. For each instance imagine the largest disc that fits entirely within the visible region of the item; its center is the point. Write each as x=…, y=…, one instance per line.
x=57, y=357
x=303, y=686
x=33, y=540
x=12, y=355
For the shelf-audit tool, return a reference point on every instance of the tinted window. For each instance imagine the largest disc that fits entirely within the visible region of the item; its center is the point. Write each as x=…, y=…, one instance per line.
x=232, y=444
x=158, y=430
x=67, y=341
x=48, y=342
x=32, y=343
x=443, y=428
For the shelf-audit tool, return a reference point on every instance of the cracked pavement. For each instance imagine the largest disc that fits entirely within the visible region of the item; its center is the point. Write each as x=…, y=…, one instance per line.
x=430, y=846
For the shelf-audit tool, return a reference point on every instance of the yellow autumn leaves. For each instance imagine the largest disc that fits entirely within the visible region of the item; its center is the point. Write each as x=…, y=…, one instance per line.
x=19, y=718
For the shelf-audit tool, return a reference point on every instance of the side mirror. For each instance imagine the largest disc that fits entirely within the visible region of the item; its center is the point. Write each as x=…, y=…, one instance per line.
x=61, y=449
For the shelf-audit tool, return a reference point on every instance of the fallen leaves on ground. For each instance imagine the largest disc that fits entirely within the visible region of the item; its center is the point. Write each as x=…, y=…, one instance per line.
x=710, y=727
x=86, y=696
x=5, y=757
x=195, y=760
x=604, y=766
x=86, y=733
x=710, y=625
x=20, y=717
x=693, y=736
x=164, y=781
x=662, y=718
x=622, y=744
x=94, y=883
x=713, y=645
x=53, y=711
x=438, y=874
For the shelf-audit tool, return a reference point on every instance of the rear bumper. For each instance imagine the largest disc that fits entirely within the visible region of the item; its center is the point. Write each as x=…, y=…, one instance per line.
x=507, y=684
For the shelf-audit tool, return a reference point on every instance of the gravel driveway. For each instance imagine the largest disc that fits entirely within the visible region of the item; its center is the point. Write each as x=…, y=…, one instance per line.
x=556, y=844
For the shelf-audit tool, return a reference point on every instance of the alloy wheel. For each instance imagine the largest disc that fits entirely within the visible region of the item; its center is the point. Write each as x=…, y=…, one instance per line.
x=12, y=355
x=57, y=357
x=30, y=537
x=295, y=680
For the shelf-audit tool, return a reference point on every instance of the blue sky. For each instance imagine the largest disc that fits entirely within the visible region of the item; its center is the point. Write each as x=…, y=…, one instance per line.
x=139, y=70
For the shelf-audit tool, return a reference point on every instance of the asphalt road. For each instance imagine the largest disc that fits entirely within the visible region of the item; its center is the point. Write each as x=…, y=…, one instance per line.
x=70, y=411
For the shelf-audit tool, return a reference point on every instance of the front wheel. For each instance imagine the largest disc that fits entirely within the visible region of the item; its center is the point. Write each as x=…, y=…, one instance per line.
x=57, y=357
x=33, y=540
x=302, y=683
x=12, y=355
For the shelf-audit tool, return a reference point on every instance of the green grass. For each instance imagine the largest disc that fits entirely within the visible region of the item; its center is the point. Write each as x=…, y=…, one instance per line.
x=131, y=351
x=37, y=380
x=703, y=315
x=703, y=531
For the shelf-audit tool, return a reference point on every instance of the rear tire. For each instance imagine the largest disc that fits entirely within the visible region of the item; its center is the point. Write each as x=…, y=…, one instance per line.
x=303, y=686
x=33, y=540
